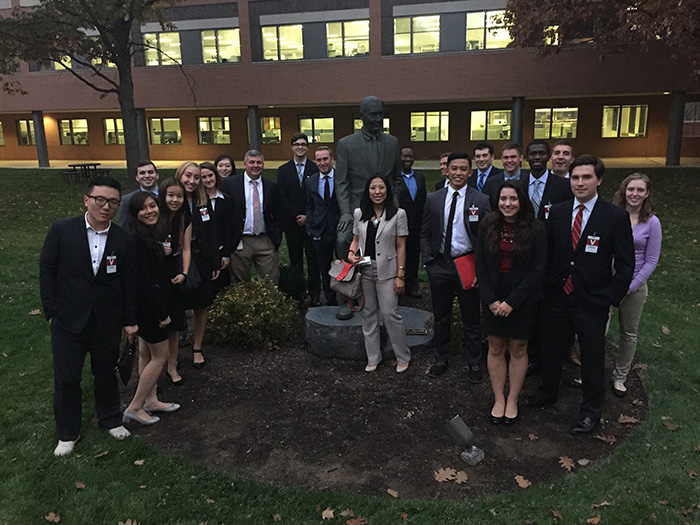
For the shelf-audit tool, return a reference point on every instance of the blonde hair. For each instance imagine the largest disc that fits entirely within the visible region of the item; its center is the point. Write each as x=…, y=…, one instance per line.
x=199, y=197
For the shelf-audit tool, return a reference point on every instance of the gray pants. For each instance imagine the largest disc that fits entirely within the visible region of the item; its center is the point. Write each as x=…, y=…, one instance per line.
x=629, y=313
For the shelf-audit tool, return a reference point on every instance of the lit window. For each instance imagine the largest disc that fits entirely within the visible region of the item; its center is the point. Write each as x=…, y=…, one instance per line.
x=318, y=129
x=165, y=131
x=74, y=132
x=417, y=34
x=490, y=125
x=63, y=61
x=221, y=45
x=691, y=120
x=162, y=49
x=2, y=135
x=25, y=133
x=114, y=131
x=271, y=130
x=214, y=130
x=99, y=63
x=624, y=121
x=484, y=33
x=556, y=123
x=283, y=42
x=430, y=126
x=347, y=39
x=357, y=123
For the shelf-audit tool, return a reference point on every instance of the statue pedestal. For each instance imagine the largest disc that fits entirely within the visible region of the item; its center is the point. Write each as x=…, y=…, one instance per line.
x=326, y=336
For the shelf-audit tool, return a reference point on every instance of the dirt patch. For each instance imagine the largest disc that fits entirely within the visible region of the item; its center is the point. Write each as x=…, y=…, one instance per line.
x=288, y=417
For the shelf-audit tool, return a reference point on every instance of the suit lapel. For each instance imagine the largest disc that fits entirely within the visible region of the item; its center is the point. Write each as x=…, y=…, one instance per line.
x=382, y=223
x=592, y=225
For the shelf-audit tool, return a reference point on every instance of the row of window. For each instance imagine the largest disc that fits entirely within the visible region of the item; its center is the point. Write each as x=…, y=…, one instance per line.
x=622, y=121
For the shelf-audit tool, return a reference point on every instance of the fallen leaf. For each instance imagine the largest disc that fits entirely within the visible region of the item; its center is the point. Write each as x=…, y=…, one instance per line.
x=522, y=482
x=461, y=477
x=129, y=522
x=142, y=486
x=36, y=311
x=52, y=517
x=347, y=513
x=627, y=420
x=210, y=501
x=327, y=514
x=594, y=520
x=665, y=329
x=276, y=517
x=670, y=425
x=653, y=518
x=697, y=448
x=557, y=516
x=102, y=454
x=566, y=463
x=601, y=504
x=79, y=485
x=583, y=462
x=532, y=437
x=356, y=521
x=638, y=402
x=687, y=511
x=392, y=493
x=404, y=516
x=409, y=414
x=691, y=473
x=493, y=511
x=610, y=440
x=642, y=367
x=663, y=502
x=139, y=462
x=203, y=523
x=445, y=474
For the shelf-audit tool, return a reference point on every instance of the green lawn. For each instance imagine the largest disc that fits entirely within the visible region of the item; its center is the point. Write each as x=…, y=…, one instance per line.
x=649, y=478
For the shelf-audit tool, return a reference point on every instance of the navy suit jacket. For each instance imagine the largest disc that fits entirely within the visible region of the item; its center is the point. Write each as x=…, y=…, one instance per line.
x=413, y=208
x=475, y=176
x=321, y=218
x=292, y=193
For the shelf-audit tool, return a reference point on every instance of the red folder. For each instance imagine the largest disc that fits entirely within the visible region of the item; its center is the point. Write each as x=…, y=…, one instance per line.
x=465, y=269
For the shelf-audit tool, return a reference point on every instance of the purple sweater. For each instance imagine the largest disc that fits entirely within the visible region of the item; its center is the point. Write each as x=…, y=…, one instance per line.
x=647, y=246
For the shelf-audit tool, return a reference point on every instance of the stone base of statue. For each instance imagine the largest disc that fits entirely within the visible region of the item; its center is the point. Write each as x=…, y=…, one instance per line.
x=326, y=336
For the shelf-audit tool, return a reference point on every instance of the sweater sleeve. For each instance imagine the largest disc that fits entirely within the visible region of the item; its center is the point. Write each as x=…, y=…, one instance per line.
x=652, y=250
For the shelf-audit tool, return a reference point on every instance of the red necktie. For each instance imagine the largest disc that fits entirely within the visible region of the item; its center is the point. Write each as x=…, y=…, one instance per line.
x=575, y=236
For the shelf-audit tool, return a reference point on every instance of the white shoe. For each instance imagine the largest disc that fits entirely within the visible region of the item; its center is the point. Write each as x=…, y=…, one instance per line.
x=64, y=447
x=619, y=388
x=401, y=367
x=370, y=368
x=119, y=432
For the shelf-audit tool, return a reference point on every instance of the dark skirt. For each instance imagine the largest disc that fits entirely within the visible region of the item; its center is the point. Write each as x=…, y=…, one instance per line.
x=151, y=332
x=520, y=322
x=202, y=296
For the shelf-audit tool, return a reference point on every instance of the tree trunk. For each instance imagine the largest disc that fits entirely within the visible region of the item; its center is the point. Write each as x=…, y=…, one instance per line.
x=128, y=107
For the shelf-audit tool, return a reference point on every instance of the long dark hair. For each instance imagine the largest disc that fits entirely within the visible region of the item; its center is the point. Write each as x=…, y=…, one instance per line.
x=151, y=235
x=523, y=225
x=367, y=206
x=620, y=199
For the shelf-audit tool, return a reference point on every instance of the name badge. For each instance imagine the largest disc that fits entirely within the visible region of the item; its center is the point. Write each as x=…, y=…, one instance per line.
x=473, y=214
x=167, y=243
x=204, y=213
x=547, y=207
x=592, y=244
x=111, y=264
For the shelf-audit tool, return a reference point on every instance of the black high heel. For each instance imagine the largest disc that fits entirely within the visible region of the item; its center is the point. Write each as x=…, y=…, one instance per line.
x=198, y=366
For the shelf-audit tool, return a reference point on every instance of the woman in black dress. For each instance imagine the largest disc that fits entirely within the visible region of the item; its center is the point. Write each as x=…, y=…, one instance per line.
x=510, y=257
x=152, y=312
x=222, y=205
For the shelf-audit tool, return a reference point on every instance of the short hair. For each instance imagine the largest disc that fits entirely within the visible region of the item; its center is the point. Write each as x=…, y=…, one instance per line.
x=299, y=135
x=459, y=155
x=564, y=143
x=539, y=142
x=446, y=154
x=143, y=163
x=367, y=101
x=484, y=145
x=252, y=153
x=230, y=158
x=103, y=181
x=408, y=147
x=589, y=160
x=325, y=148
x=512, y=145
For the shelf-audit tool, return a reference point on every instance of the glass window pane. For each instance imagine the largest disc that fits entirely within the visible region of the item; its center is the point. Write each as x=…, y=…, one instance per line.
x=444, y=125
x=323, y=129
x=209, y=53
x=428, y=24
x=291, y=42
x=611, y=117
x=229, y=45
x=356, y=38
x=334, y=39
x=418, y=127
x=150, y=41
x=64, y=132
x=498, y=125
x=357, y=125
x=402, y=36
x=171, y=131
x=432, y=126
x=542, y=123
x=426, y=42
x=169, y=48
x=306, y=126
x=25, y=133
x=114, y=131
x=496, y=36
x=477, y=127
x=269, y=36
x=156, y=131
x=633, y=121
x=271, y=130
x=691, y=119
x=214, y=130
x=475, y=30
x=80, y=132
x=2, y=135
x=564, y=123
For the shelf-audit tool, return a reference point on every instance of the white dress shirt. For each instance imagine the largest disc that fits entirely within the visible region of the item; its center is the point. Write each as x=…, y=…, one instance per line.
x=586, y=211
x=96, y=242
x=248, y=188
x=460, y=240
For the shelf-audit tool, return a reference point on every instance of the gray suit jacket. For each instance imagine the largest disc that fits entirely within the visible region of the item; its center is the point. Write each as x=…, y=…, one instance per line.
x=387, y=232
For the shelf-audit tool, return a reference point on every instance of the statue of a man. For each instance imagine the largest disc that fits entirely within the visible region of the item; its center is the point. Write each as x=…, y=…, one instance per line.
x=362, y=156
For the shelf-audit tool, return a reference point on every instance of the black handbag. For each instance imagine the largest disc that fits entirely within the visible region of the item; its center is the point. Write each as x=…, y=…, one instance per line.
x=125, y=364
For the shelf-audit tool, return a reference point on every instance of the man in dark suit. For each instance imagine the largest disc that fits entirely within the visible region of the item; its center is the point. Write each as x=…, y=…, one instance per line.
x=450, y=225
x=322, y=215
x=256, y=231
x=443, y=169
x=147, y=177
x=483, y=158
x=411, y=198
x=87, y=278
x=590, y=262
x=290, y=179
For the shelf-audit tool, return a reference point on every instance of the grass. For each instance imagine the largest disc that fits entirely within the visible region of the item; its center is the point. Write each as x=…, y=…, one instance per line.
x=648, y=478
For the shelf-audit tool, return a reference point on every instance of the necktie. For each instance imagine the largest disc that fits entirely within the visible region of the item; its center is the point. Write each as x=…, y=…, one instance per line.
x=536, y=197
x=326, y=190
x=575, y=236
x=481, y=181
x=300, y=172
x=447, y=252
x=257, y=212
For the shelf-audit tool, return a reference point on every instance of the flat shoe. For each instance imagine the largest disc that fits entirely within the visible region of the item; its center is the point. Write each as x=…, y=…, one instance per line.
x=496, y=420
x=401, y=367
x=510, y=420
x=172, y=408
x=64, y=447
x=370, y=368
x=130, y=416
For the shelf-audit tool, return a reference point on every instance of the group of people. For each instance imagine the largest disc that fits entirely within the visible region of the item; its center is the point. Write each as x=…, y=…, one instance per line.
x=533, y=260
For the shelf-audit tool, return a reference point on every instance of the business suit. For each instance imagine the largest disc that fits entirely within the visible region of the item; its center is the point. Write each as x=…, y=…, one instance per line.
x=556, y=190
x=222, y=208
x=293, y=197
x=443, y=276
x=493, y=172
x=378, y=286
x=491, y=187
x=441, y=184
x=205, y=254
x=321, y=229
x=260, y=250
x=87, y=313
x=595, y=287
x=414, y=213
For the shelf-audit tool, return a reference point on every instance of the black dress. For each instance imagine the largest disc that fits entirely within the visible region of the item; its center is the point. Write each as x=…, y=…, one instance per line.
x=223, y=217
x=205, y=254
x=173, y=264
x=154, y=287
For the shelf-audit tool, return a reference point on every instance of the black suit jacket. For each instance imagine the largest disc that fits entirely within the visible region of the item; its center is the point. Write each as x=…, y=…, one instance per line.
x=492, y=184
x=223, y=217
x=205, y=236
x=413, y=208
x=442, y=183
x=71, y=294
x=321, y=218
x=526, y=269
x=475, y=176
x=556, y=190
x=601, y=279
x=271, y=208
x=292, y=193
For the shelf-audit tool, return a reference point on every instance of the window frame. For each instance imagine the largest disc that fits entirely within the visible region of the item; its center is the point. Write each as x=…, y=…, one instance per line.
x=312, y=135
x=694, y=124
x=120, y=139
x=441, y=114
x=551, y=123
x=621, y=108
x=227, y=130
x=484, y=29
x=2, y=135
x=72, y=133
x=487, y=120
x=30, y=132
x=343, y=39
x=277, y=42
x=216, y=45
x=159, y=50
x=151, y=131
x=412, y=32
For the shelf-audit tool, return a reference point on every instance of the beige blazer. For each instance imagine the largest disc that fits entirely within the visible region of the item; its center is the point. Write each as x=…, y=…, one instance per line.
x=388, y=231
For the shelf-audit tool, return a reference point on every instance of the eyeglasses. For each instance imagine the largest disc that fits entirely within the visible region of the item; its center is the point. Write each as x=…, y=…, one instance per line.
x=300, y=145
x=101, y=201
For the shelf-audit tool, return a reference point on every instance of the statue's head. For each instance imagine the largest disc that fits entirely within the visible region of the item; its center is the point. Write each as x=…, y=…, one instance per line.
x=372, y=113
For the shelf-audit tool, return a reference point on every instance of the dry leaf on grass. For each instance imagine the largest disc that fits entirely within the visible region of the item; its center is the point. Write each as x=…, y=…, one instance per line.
x=583, y=462
x=102, y=454
x=665, y=329
x=36, y=311
x=691, y=473
x=139, y=462
x=642, y=367
x=654, y=518
x=52, y=517
x=532, y=437
x=404, y=516
x=356, y=521
x=566, y=463
x=409, y=414
x=203, y=523
x=129, y=522
x=610, y=440
x=638, y=402
x=522, y=482
x=445, y=474
x=601, y=504
x=79, y=485
x=663, y=502
x=392, y=493
x=347, y=513
x=594, y=520
x=276, y=517
x=461, y=477
x=627, y=420
x=557, y=516
x=328, y=514
x=670, y=425
x=697, y=448
x=210, y=501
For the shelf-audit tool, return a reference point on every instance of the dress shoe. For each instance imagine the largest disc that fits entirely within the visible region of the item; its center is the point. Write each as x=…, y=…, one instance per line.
x=130, y=416
x=437, y=369
x=371, y=368
x=619, y=388
x=401, y=367
x=344, y=312
x=496, y=420
x=510, y=420
x=64, y=447
x=179, y=382
x=119, y=432
x=537, y=401
x=201, y=364
x=475, y=375
x=172, y=408
x=583, y=426
x=414, y=294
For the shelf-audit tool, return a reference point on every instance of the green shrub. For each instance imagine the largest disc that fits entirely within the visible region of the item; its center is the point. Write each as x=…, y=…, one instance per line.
x=255, y=314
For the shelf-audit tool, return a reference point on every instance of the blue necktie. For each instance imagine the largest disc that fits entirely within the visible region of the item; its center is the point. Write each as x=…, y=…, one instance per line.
x=481, y=181
x=300, y=173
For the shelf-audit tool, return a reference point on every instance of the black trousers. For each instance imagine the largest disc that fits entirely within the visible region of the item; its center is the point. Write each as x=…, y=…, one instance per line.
x=412, y=258
x=566, y=315
x=323, y=250
x=299, y=242
x=69, y=351
x=444, y=285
